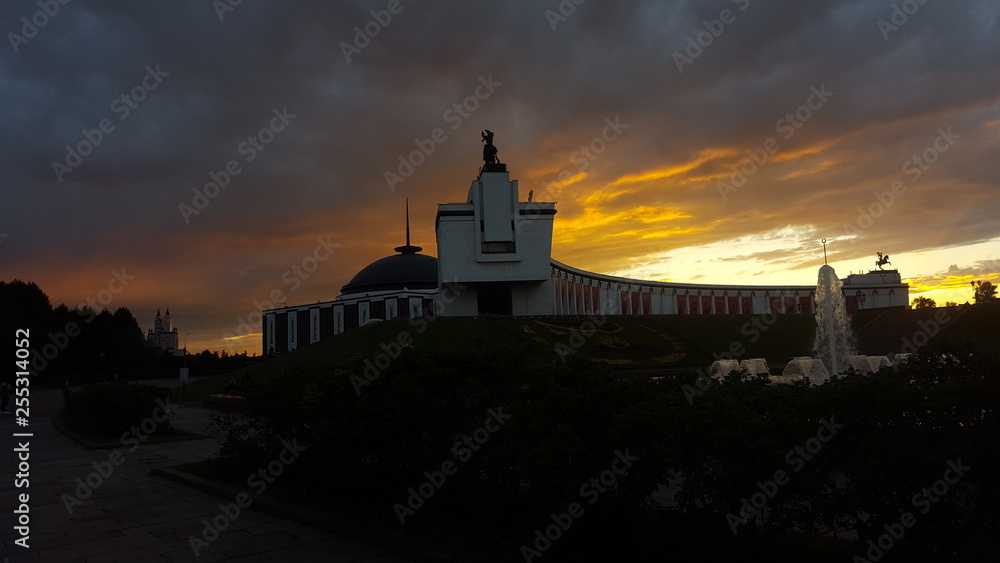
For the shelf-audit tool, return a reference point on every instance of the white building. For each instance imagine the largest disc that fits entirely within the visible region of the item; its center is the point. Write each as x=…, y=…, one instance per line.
x=499, y=248
x=404, y=284
x=163, y=334
x=496, y=260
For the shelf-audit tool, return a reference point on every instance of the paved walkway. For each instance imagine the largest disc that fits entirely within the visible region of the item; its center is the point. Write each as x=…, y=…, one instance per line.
x=133, y=515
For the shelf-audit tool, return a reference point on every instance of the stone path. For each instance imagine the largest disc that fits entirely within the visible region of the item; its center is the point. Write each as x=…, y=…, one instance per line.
x=131, y=515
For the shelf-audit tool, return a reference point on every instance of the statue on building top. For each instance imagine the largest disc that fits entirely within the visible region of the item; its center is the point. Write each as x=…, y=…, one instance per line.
x=489, y=151
x=882, y=260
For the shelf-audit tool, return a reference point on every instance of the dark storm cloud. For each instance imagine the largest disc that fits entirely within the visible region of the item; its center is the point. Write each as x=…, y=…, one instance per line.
x=324, y=173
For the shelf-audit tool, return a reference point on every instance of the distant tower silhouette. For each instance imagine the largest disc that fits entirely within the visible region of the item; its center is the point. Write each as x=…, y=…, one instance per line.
x=163, y=334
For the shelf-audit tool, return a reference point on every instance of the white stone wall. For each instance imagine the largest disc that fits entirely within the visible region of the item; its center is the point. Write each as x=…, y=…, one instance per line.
x=494, y=214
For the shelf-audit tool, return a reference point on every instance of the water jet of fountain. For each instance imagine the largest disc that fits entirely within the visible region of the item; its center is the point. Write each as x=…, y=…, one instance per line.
x=834, y=340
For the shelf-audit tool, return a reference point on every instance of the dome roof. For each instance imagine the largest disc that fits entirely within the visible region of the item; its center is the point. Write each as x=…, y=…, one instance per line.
x=405, y=270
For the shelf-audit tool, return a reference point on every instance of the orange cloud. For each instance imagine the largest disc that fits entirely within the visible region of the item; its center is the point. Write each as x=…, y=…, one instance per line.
x=643, y=222
x=705, y=155
x=807, y=170
x=816, y=148
x=926, y=284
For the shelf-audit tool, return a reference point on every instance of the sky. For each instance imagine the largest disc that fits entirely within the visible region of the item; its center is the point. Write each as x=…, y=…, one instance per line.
x=202, y=156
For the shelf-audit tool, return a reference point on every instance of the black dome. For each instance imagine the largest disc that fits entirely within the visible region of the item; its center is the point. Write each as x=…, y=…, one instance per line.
x=407, y=270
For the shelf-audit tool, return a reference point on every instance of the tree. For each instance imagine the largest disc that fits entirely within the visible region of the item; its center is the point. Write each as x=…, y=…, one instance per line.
x=950, y=304
x=923, y=303
x=985, y=292
x=23, y=306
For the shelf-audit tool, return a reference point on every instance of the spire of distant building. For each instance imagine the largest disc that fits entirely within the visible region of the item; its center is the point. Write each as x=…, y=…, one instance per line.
x=163, y=334
x=408, y=248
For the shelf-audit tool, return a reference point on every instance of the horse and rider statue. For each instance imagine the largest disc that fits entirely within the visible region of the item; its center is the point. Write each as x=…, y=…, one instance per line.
x=882, y=260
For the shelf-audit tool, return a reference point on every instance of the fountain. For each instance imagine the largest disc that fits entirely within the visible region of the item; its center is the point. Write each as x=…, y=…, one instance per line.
x=801, y=369
x=755, y=366
x=866, y=364
x=834, y=341
x=857, y=363
x=721, y=368
x=878, y=362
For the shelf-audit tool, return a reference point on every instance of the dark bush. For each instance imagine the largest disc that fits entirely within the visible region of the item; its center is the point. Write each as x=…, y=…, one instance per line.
x=371, y=441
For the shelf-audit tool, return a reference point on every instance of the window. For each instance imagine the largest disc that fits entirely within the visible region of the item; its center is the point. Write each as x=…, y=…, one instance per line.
x=498, y=248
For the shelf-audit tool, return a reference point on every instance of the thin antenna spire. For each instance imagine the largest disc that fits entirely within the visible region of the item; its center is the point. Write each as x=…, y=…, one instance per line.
x=408, y=248
x=824, y=252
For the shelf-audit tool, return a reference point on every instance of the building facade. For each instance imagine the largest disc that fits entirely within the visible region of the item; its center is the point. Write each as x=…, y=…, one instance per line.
x=164, y=334
x=497, y=249
x=495, y=259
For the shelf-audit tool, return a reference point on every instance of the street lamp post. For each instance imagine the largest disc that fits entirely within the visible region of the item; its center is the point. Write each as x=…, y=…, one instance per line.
x=184, y=381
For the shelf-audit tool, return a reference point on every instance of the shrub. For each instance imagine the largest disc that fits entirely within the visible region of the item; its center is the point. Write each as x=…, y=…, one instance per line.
x=372, y=441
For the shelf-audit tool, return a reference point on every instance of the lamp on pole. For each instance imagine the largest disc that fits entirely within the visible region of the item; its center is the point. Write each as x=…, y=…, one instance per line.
x=184, y=377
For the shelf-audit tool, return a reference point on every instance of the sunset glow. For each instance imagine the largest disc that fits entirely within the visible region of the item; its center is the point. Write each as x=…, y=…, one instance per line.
x=712, y=174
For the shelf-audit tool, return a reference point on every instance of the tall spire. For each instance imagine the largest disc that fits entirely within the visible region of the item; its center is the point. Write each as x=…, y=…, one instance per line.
x=408, y=248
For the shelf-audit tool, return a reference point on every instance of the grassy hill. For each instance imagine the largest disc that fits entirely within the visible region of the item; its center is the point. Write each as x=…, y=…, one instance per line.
x=628, y=345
